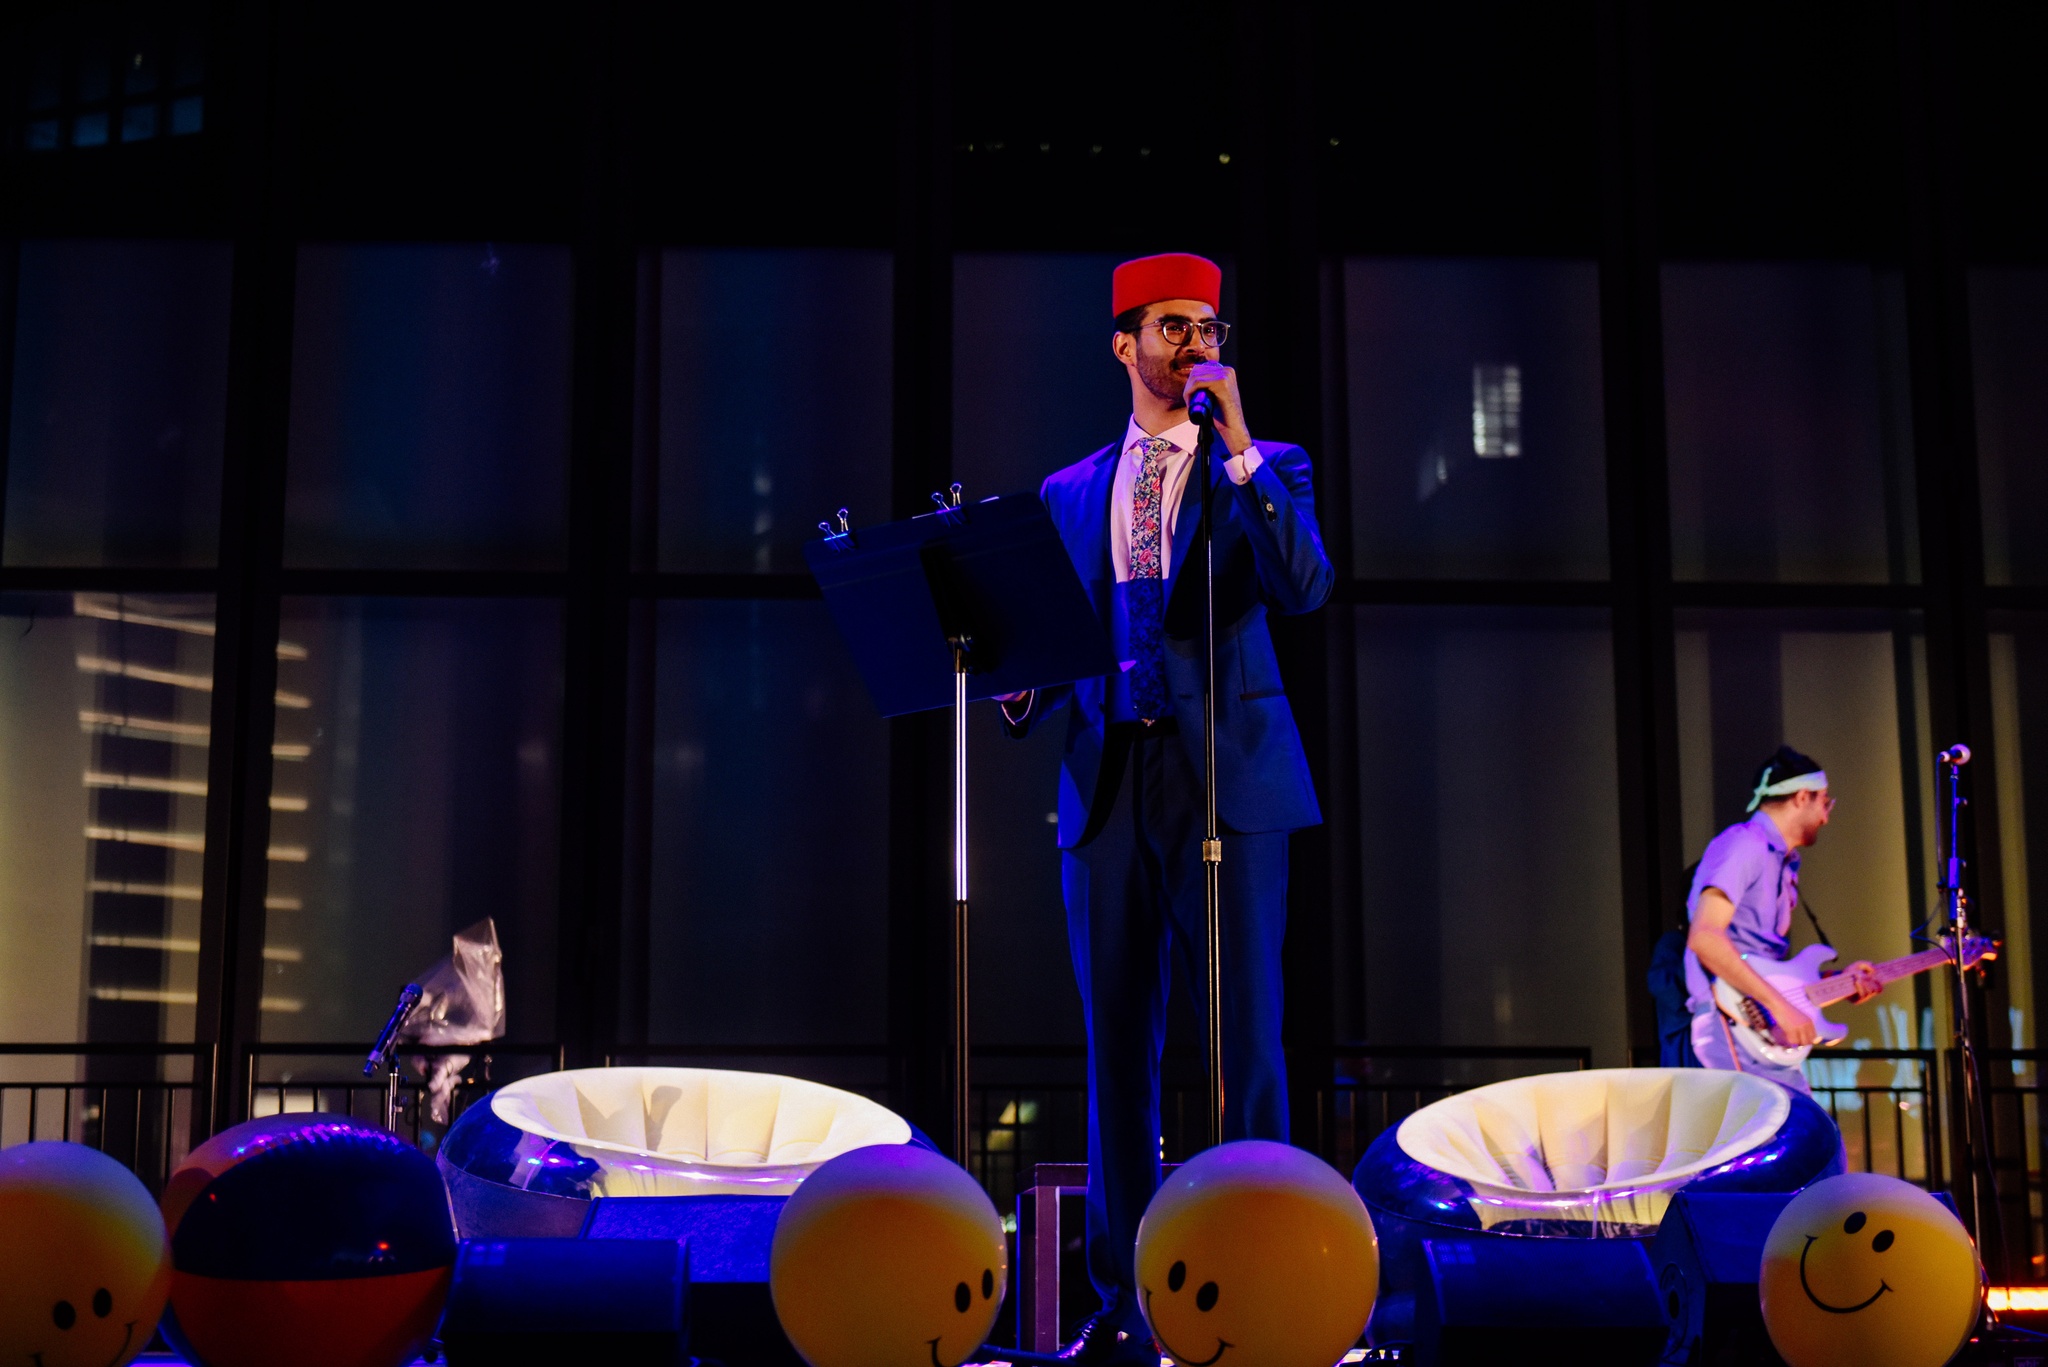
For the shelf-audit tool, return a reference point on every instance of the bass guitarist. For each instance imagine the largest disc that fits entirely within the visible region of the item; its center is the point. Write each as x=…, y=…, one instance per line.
x=1741, y=909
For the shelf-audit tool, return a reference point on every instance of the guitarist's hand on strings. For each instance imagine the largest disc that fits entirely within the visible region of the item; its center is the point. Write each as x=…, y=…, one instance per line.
x=1868, y=984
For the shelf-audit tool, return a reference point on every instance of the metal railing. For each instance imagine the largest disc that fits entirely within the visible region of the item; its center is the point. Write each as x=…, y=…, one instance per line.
x=1029, y=1106
x=1887, y=1103
x=2013, y=1094
x=328, y=1077
x=1376, y=1087
x=130, y=1101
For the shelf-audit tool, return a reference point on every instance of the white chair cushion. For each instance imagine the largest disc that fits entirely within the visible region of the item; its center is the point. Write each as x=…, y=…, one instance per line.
x=696, y=1131
x=1612, y=1144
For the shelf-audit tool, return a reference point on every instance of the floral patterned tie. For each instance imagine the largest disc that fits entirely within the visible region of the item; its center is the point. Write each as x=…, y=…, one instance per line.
x=1146, y=591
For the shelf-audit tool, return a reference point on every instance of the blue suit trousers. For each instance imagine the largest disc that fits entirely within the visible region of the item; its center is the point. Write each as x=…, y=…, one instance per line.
x=1134, y=898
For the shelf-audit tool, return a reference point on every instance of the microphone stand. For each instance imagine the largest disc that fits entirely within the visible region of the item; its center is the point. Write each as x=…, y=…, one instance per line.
x=1976, y=1132
x=1204, y=418
x=383, y=1052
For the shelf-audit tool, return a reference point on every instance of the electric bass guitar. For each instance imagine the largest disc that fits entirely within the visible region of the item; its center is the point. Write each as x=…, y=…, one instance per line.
x=1799, y=981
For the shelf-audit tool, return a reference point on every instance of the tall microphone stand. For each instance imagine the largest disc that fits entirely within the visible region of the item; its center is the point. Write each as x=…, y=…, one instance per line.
x=1976, y=1132
x=1200, y=410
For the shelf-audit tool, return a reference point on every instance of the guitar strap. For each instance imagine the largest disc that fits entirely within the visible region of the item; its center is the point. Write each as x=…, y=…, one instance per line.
x=1819, y=934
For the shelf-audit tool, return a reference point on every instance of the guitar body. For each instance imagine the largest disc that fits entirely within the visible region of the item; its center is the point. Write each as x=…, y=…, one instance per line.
x=1752, y=1026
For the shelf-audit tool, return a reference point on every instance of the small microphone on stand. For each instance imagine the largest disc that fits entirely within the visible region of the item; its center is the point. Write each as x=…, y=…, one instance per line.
x=1957, y=755
x=1202, y=408
x=387, y=1040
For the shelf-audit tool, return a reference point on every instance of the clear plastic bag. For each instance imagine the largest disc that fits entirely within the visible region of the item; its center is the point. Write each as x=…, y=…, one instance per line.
x=462, y=1002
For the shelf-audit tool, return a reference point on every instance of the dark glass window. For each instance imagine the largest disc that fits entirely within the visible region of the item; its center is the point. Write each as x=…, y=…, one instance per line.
x=1035, y=387
x=774, y=398
x=1789, y=424
x=1018, y=934
x=105, y=704
x=430, y=406
x=768, y=920
x=120, y=391
x=415, y=789
x=1487, y=839
x=1473, y=401
x=2009, y=356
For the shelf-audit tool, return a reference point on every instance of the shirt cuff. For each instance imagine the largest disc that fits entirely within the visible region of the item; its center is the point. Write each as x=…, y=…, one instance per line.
x=1242, y=467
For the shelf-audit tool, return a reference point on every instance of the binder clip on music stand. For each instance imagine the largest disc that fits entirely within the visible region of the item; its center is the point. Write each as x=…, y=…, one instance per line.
x=962, y=603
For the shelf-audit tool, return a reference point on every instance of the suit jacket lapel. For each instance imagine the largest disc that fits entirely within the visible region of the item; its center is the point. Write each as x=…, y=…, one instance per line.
x=1097, y=570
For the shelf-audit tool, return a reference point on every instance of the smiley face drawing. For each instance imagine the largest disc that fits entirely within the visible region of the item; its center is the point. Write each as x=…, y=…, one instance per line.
x=1259, y=1254
x=84, y=1263
x=1870, y=1270
x=888, y=1256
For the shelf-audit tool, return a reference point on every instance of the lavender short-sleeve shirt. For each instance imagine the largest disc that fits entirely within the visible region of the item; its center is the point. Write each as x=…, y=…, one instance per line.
x=1759, y=872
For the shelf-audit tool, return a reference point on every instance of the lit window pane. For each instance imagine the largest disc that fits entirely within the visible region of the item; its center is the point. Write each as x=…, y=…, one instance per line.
x=1788, y=424
x=430, y=406
x=138, y=121
x=766, y=747
x=2009, y=357
x=415, y=789
x=2019, y=768
x=89, y=130
x=104, y=722
x=1473, y=392
x=1849, y=691
x=774, y=401
x=120, y=395
x=1035, y=387
x=188, y=115
x=1488, y=849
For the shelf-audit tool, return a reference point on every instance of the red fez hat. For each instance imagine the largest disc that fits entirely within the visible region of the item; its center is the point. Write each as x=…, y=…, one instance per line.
x=1173, y=275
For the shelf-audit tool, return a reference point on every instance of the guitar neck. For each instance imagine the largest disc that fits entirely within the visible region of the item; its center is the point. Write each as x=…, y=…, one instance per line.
x=1890, y=971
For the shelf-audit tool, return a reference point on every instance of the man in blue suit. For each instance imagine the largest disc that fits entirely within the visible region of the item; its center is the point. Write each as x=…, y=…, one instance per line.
x=1131, y=785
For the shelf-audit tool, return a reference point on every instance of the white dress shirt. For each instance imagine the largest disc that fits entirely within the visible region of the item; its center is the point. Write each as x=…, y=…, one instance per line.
x=1173, y=484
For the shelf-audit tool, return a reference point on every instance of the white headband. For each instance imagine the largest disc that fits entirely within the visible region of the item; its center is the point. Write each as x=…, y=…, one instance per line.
x=1812, y=782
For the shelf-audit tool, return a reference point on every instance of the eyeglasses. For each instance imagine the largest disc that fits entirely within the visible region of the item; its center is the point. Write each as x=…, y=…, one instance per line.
x=1176, y=331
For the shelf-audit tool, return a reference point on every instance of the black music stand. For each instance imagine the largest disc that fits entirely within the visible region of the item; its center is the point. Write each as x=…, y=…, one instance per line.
x=968, y=601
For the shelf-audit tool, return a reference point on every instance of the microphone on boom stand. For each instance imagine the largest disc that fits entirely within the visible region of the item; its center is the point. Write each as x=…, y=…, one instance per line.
x=387, y=1039
x=383, y=1052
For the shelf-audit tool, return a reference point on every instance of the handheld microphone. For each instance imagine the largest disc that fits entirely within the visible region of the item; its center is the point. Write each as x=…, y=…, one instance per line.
x=387, y=1040
x=1202, y=408
x=1957, y=754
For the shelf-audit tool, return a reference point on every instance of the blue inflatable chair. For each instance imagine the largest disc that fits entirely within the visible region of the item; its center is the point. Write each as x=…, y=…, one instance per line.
x=1580, y=1155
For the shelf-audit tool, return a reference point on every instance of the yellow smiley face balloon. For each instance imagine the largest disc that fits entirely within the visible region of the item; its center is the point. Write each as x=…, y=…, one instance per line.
x=84, y=1264
x=1257, y=1253
x=1868, y=1270
x=888, y=1256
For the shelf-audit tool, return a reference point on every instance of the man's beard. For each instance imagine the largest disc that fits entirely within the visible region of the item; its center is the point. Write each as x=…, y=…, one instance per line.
x=1162, y=380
